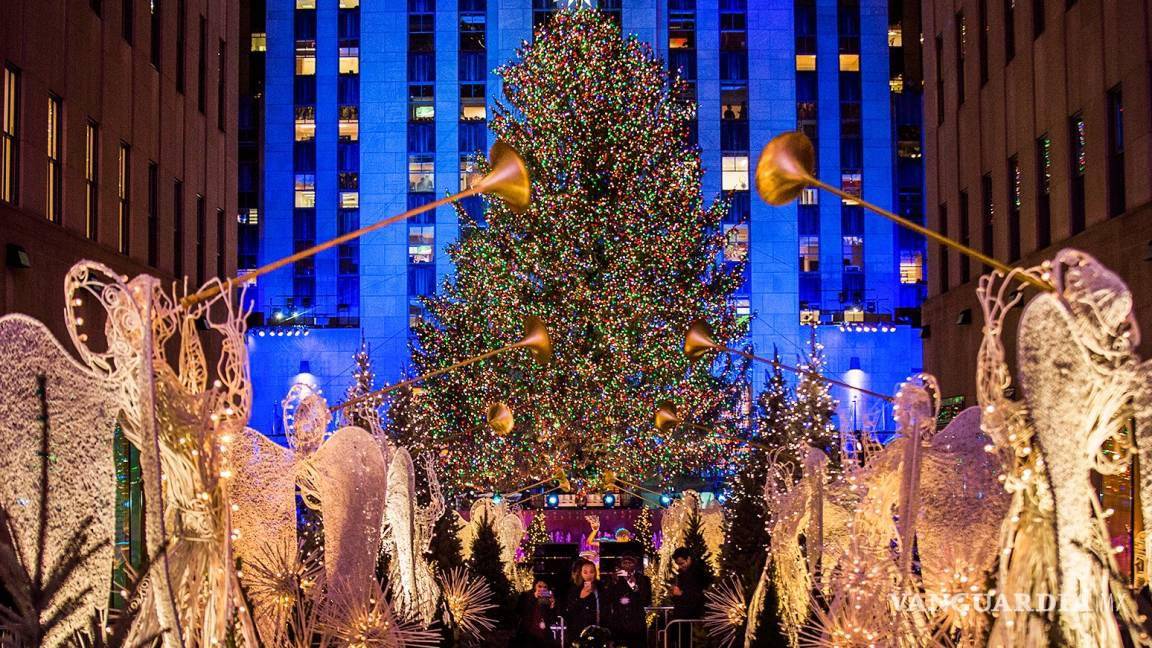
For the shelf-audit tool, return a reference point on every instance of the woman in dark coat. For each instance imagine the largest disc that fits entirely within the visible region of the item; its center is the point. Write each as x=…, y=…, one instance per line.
x=535, y=614
x=587, y=604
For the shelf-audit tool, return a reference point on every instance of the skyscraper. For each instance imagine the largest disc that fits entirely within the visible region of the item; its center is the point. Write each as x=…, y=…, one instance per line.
x=374, y=108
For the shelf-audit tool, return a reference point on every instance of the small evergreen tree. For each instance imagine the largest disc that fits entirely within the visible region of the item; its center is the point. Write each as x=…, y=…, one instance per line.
x=694, y=542
x=364, y=414
x=486, y=563
x=645, y=533
x=814, y=408
x=445, y=551
x=536, y=535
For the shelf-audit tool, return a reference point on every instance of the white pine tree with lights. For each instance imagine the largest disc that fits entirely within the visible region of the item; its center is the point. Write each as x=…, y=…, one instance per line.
x=364, y=414
x=814, y=407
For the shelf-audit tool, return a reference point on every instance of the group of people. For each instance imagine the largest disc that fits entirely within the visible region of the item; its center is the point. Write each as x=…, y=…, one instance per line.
x=608, y=611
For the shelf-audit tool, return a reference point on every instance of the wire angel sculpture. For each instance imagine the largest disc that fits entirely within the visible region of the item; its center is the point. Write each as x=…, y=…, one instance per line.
x=407, y=537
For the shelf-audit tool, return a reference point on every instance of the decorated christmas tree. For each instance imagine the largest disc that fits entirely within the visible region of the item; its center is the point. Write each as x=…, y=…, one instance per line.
x=485, y=563
x=694, y=542
x=812, y=414
x=617, y=255
x=645, y=533
x=364, y=414
x=535, y=535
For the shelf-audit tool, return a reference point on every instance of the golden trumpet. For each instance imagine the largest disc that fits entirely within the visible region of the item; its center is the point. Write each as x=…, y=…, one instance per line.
x=786, y=167
x=500, y=418
x=667, y=418
x=508, y=179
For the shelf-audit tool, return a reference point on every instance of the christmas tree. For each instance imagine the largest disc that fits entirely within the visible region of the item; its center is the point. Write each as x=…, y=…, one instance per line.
x=645, y=533
x=812, y=414
x=694, y=542
x=486, y=563
x=617, y=255
x=445, y=551
x=364, y=414
x=536, y=535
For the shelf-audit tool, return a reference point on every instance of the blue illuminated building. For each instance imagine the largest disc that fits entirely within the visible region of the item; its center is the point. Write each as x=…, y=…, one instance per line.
x=377, y=107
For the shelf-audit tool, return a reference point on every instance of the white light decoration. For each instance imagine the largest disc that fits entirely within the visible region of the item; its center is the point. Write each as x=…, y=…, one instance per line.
x=407, y=537
x=725, y=611
x=506, y=523
x=468, y=602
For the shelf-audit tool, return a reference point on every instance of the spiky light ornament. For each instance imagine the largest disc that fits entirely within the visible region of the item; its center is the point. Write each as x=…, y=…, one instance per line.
x=467, y=602
x=617, y=254
x=725, y=611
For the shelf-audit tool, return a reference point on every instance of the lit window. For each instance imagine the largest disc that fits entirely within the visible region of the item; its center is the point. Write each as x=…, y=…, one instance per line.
x=423, y=113
x=305, y=123
x=420, y=241
x=895, y=36
x=349, y=129
x=415, y=314
x=305, y=190
x=420, y=168
x=305, y=4
x=306, y=65
x=806, y=62
x=252, y=217
x=896, y=84
x=851, y=184
x=349, y=4
x=853, y=253
x=9, y=139
x=809, y=253
x=849, y=62
x=470, y=112
x=810, y=196
x=809, y=317
x=853, y=315
x=349, y=60
x=259, y=42
x=911, y=267
x=469, y=172
x=736, y=243
x=742, y=306
x=735, y=172
x=349, y=199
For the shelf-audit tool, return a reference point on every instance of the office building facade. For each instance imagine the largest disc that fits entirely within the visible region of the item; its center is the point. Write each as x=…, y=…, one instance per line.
x=373, y=108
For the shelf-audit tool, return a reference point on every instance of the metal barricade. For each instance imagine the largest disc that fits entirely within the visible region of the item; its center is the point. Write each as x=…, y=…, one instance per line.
x=559, y=630
x=683, y=633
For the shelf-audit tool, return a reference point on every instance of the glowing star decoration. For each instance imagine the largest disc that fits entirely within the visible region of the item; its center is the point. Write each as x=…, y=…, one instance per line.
x=407, y=536
x=725, y=611
x=468, y=603
x=73, y=449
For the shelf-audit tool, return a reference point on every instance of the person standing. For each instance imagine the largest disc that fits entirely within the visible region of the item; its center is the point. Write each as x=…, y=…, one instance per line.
x=687, y=595
x=535, y=613
x=628, y=595
x=586, y=606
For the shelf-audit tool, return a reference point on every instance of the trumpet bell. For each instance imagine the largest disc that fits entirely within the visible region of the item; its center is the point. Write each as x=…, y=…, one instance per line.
x=699, y=340
x=508, y=178
x=785, y=168
x=500, y=418
x=536, y=339
x=667, y=418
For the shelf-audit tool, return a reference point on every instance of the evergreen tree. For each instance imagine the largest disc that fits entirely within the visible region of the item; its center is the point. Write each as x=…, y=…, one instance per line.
x=617, y=255
x=812, y=414
x=486, y=563
x=645, y=533
x=694, y=542
x=535, y=535
x=364, y=414
x=445, y=549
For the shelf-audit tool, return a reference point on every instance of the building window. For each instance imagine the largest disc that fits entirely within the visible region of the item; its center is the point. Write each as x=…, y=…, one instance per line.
x=306, y=58
x=156, y=23
x=961, y=47
x=222, y=85
x=943, y=258
x=201, y=239
x=349, y=60
x=985, y=28
x=305, y=123
x=734, y=170
x=965, y=238
x=421, y=239
x=809, y=253
x=349, y=124
x=1043, y=192
x=1015, y=189
x=853, y=253
x=472, y=106
x=911, y=266
x=420, y=173
x=153, y=213
x=1078, y=161
x=181, y=42
x=849, y=63
x=123, y=195
x=1009, y=30
x=1116, y=193
x=305, y=190
x=178, y=229
x=53, y=207
x=91, y=184
x=259, y=42
x=805, y=62
x=736, y=243
x=202, y=67
x=852, y=183
x=420, y=102
x=10, y=142
x=469, y=172
x=988, y=217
